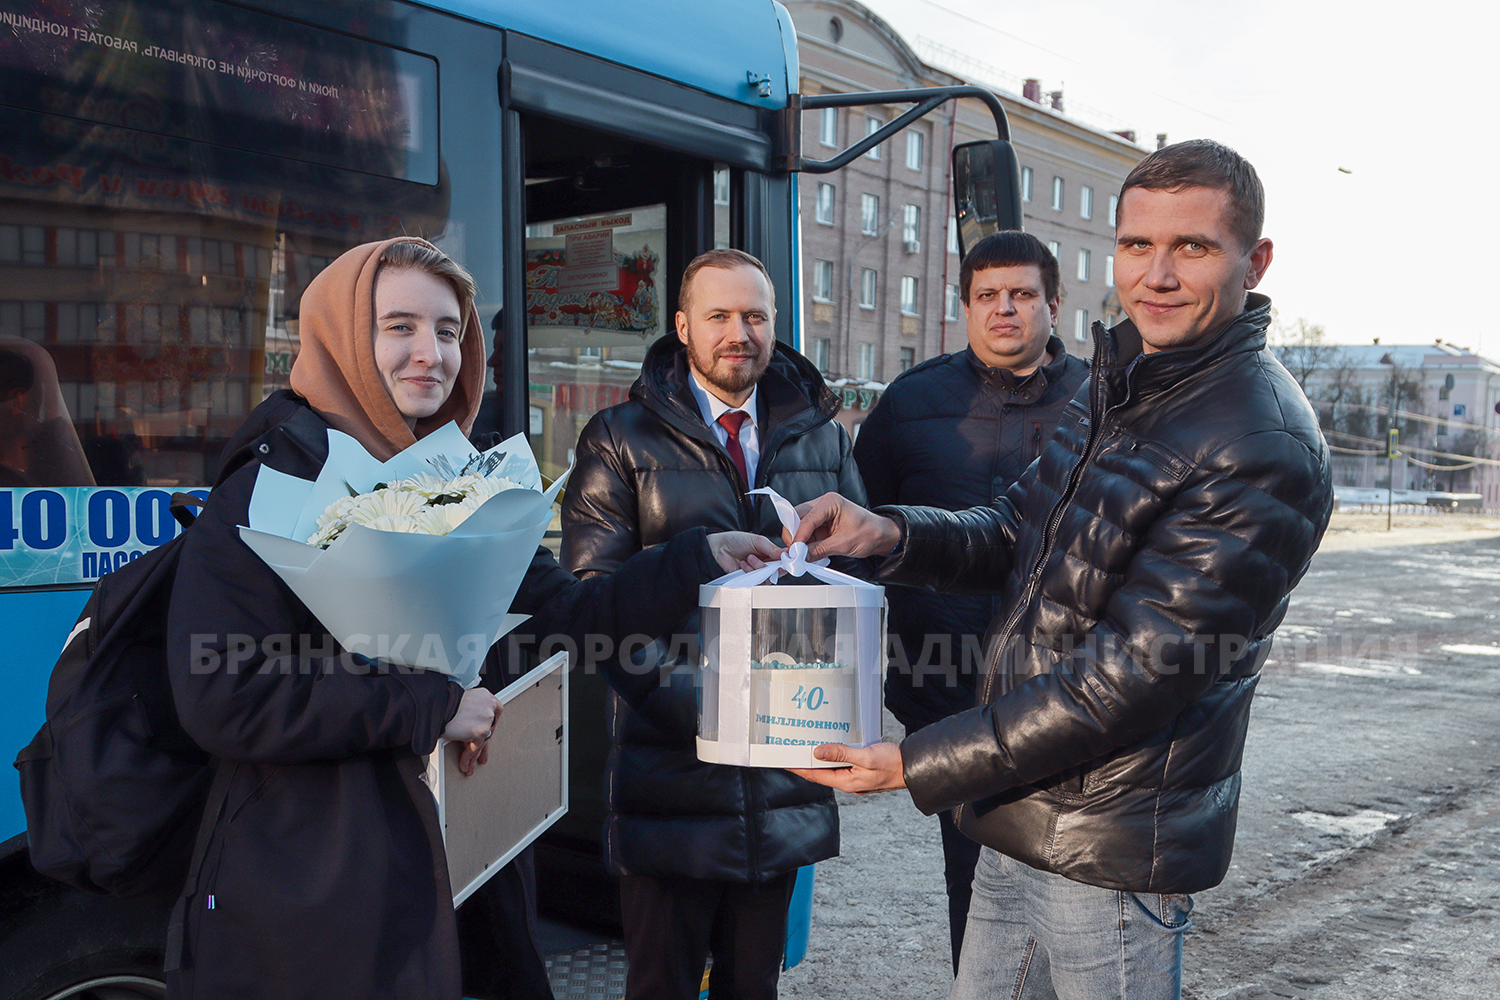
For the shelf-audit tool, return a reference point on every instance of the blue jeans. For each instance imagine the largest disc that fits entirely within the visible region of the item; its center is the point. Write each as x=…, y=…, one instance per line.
x=1035, y=935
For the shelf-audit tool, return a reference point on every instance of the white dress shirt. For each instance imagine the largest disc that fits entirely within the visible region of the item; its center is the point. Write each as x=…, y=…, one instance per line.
x=712, y=408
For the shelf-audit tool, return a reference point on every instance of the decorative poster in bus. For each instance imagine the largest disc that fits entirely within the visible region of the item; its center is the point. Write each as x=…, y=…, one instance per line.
x=595, y=277
x=227, y=76
x=76, y=534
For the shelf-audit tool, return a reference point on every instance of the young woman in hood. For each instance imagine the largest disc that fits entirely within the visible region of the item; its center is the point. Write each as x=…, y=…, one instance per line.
x=323, y=874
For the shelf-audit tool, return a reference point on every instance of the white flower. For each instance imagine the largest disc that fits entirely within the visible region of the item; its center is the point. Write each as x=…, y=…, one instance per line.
x=486, y=488
x=424, y=484
x=384, y=503
x=338, y=510
x=443, y=519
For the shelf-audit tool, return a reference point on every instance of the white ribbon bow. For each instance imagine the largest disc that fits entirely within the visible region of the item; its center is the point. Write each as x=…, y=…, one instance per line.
x=794, y=560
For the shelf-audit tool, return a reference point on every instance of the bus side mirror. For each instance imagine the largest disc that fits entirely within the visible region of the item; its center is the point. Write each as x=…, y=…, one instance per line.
x=986, y=190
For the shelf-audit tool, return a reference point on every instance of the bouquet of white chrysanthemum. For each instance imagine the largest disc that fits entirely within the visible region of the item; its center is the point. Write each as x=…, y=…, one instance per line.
x=423, y=504
x=416, y=560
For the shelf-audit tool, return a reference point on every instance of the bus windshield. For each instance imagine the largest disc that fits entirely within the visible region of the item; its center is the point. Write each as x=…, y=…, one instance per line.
x=153, y=250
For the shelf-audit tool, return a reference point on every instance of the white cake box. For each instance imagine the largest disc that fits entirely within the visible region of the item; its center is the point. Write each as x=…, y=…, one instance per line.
x=788, y=667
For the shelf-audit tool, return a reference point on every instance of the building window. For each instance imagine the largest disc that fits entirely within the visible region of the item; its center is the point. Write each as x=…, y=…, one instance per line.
x=867, y=279
x=823, y=280
x=867, y=361
x=952, y=235
x=951, y=301
x=869, y=214
x=1025, y=183
x=1109, y=271
x=1114, y=209
x=721, y=186
x=1055, y=247
x=911, y=227
x=828, y=126
x=913, y=150
x=1083, y=265
x=820, y=353
x=1057, y=194
x=872, y=125
x=909, y=295
x=1081, y=324
x=1086, y=202
x=908, y=357
x=825, y=204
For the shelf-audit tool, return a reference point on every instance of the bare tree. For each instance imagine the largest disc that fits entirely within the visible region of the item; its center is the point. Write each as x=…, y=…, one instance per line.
x=1327, y=376
x=1304, y=348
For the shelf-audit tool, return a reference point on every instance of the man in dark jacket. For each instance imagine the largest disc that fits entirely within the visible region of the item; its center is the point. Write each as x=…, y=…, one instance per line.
x=707, y=853
x=1144, y=563
x=955, y=432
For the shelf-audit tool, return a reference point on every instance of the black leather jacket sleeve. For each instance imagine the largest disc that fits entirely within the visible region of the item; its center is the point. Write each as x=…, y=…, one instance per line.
x=1208, y=583
x=601, y=516
x=959, y=551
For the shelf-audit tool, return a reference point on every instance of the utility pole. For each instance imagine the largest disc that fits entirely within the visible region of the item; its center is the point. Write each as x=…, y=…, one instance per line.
x=1392, y=442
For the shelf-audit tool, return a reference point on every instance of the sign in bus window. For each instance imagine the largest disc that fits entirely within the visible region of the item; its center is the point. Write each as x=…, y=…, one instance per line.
x=228, y=76
x=594, y=304
x=75, y=535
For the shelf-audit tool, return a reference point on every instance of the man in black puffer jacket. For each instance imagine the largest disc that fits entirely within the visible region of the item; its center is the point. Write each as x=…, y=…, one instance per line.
x=955, y=432
x=1144, y=563
x=707, y=853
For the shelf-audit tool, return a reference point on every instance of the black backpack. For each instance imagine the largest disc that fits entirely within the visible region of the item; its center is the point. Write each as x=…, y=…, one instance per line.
x=114, y=788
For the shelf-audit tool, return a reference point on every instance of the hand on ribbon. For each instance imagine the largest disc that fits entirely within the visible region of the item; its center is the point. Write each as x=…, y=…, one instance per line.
x=794, y=561
x=744, y=550
x=835, y=526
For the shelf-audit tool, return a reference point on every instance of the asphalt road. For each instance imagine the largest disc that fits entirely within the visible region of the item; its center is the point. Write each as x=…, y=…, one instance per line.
x=1368, y=857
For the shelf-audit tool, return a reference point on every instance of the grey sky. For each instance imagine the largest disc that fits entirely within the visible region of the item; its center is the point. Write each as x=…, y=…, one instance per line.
x=1403, y=96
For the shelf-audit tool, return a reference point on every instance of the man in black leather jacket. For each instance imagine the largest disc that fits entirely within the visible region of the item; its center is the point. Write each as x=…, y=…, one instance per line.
x=955, y=432
x=1144, y=562
x=707, y=853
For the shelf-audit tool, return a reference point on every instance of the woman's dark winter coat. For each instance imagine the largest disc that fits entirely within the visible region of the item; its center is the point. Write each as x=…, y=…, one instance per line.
x=324, y=875
x=647, y=469
x=1145, y=561
x=953, y=433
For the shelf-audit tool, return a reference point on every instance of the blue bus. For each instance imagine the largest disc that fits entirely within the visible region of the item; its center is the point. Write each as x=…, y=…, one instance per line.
x=173, y=172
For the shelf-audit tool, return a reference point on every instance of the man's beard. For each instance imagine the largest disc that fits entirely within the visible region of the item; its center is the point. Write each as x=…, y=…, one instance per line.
x=734, y=381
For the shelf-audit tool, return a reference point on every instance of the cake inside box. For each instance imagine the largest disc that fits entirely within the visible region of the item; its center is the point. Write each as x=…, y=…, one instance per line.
x=802, y=677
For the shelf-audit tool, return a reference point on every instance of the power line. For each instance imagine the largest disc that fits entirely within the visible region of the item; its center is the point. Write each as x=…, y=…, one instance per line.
x=1405, y=448
x=1067, y=58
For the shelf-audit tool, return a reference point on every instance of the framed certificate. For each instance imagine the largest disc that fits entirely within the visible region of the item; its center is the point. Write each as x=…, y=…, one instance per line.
x=491, y=817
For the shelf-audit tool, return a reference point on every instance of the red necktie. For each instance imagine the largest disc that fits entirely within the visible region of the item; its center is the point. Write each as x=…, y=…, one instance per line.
x=731, y=422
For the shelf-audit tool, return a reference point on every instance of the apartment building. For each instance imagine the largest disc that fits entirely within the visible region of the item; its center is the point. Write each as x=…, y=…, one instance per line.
x=879, y=254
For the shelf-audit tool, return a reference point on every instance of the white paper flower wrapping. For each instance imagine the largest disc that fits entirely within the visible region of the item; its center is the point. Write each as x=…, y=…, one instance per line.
x=431, y=601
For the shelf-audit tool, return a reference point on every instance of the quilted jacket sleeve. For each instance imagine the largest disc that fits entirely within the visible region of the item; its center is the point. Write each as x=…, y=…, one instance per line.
x=1199, y=598
x=960, y=551
x=875, y=452
x=600, y=527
